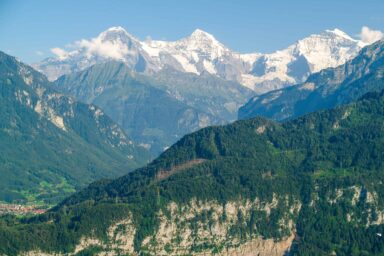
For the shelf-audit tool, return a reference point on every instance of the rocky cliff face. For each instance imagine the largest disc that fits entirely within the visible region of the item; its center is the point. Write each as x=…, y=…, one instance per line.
x=210, y=228
x=198, y=228
x=313, y=185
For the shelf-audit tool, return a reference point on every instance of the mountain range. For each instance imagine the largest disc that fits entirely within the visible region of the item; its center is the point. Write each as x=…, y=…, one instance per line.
x=157, y=110
x=159, y=91
x=328, y=88
x=201, y=53
x=154, y=109
x=52, y=145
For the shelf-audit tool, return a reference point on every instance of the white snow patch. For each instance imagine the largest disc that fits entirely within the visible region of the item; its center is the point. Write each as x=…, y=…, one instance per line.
x=209, y=67
x=188, y=67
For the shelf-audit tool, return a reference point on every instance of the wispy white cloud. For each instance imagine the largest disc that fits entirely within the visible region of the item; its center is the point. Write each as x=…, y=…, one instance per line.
x=369, y=36
x=40, y=53
x=109, y=49
x=97, y=46
x=60, y=53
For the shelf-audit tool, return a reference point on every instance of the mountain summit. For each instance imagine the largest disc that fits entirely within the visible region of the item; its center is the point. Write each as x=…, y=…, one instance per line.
x=118, y=34
x=199, y=34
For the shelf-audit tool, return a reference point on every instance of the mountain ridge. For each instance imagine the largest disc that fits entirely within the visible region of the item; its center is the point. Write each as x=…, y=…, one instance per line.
x=201, y=52
x=312, y=185
x=325, y=89
x=52, y=145
x=156, y=110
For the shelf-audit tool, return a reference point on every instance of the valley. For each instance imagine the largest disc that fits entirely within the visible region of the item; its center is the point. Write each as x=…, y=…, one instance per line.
x=265, y=189
x=191, y=128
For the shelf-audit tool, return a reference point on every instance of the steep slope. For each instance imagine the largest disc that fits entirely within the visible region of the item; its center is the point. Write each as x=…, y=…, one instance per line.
x=205, y=92
x=113, y=44
x=294, y=64
x=325, y=89
x=152, y=117
x=310, y=186
x=198, y=53
x=201, y=53
x=156, y=111
x=50, y=144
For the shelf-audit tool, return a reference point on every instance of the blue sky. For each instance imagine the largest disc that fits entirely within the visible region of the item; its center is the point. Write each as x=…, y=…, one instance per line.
x=28, y=29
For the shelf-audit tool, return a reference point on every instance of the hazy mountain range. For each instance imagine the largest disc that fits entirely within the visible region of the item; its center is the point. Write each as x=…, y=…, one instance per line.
x=157, y=110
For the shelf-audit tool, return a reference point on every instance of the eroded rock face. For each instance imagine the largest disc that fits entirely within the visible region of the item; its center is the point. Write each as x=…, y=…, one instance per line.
x=199, y=228
x=204, y=228
x=254, y=247
x=213, y=228
x=261, y=247
x=120, y=235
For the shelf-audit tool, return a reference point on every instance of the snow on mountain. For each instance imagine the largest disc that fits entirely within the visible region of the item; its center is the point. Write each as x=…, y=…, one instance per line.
x=294, y=64
x=113, y=44
x=201, y=53
x=329, y=49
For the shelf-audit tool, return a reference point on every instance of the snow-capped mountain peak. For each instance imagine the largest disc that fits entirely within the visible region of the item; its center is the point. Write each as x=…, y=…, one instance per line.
x=328, y=49
x=295, y=63
x=114, y=43
x=196, y=53
x=201, y=44
x=116, y=29
x=201, y=35
x=339, y=33
x=116, y=34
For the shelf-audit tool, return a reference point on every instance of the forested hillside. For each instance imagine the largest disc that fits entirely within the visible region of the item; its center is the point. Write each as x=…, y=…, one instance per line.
x=310, y=186
x=52, y=145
